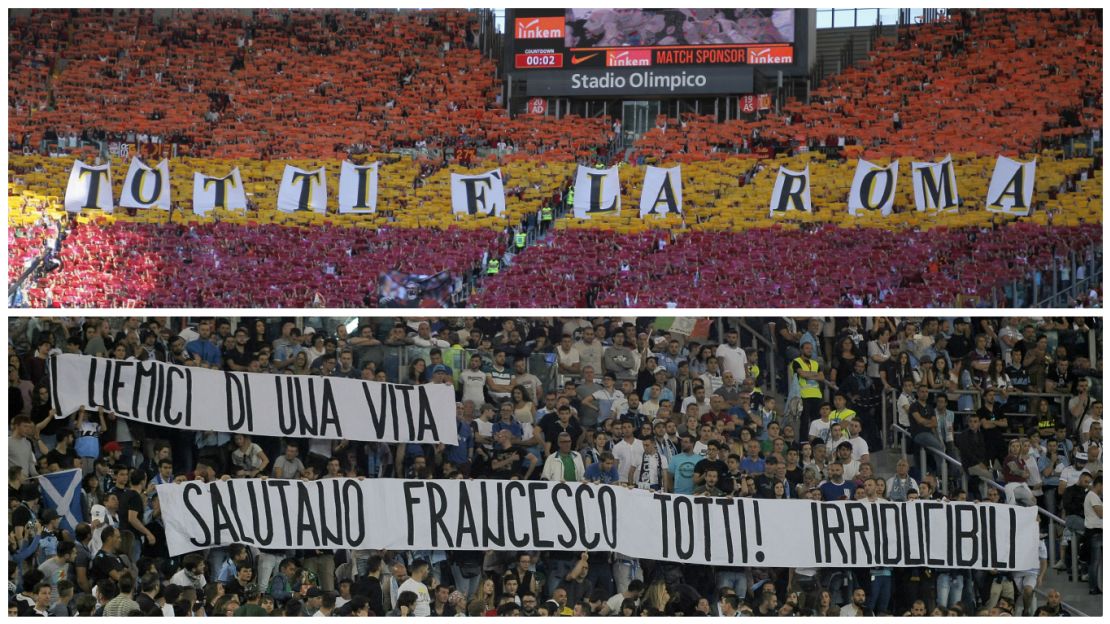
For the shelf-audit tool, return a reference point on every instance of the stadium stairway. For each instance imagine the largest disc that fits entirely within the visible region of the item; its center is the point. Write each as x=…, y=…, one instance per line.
x=832, y=42
x=1074, y=592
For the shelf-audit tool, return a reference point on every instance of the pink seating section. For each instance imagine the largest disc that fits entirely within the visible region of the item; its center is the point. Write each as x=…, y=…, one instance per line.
x=224, y=265
x=779, y=268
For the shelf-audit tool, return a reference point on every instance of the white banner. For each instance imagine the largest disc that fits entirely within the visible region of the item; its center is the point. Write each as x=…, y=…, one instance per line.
x=662, y=191
x=873, y=188
x=455, y=514
x=358, y=188
x=146, y=187
x=791, y=192
x=596, y=190
x=89, y=187
x=226, y=192
x=934, y=186
x=483, y=193
x=1011, y=189
x=303, y=190
x=303, y=406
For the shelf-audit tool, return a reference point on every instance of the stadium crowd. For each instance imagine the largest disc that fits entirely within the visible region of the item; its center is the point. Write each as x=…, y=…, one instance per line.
x=417, y=90
x=646, y=403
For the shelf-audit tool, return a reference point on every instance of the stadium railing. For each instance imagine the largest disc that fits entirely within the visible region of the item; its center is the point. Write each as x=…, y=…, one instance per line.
x=1092, y=265
x=945, y=460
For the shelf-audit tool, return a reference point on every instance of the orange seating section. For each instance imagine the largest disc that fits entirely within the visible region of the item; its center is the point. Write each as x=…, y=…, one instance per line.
x=999, y=81
x=311, y=83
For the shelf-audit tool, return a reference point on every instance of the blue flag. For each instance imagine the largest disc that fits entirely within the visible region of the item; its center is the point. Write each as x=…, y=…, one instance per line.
x=61, y=491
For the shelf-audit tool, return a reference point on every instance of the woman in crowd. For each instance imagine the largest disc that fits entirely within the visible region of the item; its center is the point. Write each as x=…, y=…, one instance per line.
x=524, y=408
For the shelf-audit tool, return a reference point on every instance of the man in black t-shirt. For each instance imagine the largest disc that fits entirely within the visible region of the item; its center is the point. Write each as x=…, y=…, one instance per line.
x=132, y=509
x=238, y=358
x=106, y=564
x=507, y=459
x=150, y=590
x=564, y=422
x=712, y=461
x=237, y=586
x=960, y=343
x=27, y=511
x=62, y=455
x=923, y=426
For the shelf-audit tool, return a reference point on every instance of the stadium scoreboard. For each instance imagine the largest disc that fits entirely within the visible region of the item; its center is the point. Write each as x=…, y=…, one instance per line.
x=648, y=51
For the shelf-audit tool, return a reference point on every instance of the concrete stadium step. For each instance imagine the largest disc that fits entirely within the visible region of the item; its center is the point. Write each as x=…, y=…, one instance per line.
x=1073, y=593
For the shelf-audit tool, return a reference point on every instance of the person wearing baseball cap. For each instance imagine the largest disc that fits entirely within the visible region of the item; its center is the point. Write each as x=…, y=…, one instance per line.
x=26, y=514
x=314, y=599
x=441, y=374
x=113, y=451
x=250, y=606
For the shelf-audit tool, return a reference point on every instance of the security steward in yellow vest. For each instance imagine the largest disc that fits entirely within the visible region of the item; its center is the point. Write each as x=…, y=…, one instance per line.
x=807, y=374
x=493, y=266
x=841, y=412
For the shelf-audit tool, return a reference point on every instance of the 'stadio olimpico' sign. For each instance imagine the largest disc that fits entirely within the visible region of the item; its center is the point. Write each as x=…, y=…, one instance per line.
x=655, y=81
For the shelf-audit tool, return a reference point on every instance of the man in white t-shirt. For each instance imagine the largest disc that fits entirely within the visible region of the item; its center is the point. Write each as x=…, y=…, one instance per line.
x=590, y=350
x=860, y=451
x=1069, y=476
x=819, y=428
x=731, y=356
x=629, y=453
x=415, y=584
x=521, y=377
x=1094, y=415
x=1029, y=580
x=568, y=357
x=614, y=604
x=609, y=402
x=1092, y=521
x=699, y=398
x=473, y=382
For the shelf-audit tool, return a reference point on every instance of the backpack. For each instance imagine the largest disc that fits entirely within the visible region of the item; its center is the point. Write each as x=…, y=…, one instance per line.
x=87, y=447
x=48, y=546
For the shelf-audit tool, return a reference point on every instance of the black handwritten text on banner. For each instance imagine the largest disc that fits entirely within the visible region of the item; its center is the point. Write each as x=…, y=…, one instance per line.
x=541, y=515
x=201, y=399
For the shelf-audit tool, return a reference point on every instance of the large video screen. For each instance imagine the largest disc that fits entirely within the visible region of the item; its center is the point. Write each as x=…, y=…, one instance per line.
x=553, y=39
x=604, y=28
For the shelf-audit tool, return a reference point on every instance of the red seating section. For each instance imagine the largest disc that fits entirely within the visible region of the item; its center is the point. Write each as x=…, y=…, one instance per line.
x=764, y=268
x=224, y=265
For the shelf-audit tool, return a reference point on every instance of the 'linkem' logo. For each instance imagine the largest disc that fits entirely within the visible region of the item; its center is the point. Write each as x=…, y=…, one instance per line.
x=628, y=58
x=540, y=28
x=770, y=56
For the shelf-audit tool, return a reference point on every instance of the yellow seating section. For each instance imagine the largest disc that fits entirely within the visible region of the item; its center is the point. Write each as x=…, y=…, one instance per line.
x=399, y=204
x=713, y=197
